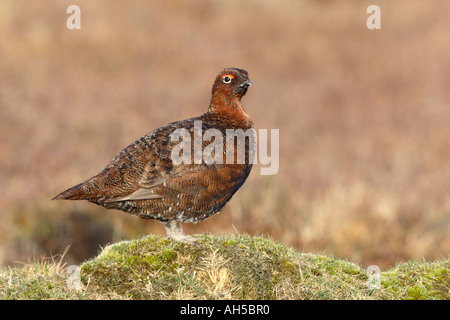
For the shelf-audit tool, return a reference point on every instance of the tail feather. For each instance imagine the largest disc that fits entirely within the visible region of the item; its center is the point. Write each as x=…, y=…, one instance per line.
x=75, y=193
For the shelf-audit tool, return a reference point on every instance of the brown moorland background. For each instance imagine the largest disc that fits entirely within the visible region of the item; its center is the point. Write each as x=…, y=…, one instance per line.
x=363, y=118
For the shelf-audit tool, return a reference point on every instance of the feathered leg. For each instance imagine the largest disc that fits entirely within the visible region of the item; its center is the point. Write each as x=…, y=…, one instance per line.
x=175, y=232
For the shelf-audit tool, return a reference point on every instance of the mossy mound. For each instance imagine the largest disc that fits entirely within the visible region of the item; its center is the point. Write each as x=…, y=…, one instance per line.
x=225, y=267
x=236, y=267
x=418, y=281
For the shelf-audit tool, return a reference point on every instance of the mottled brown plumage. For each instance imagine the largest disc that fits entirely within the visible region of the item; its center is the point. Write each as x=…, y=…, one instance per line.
x=143, y=180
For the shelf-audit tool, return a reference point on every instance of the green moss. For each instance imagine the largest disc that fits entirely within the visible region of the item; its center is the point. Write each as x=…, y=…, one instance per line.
x=414, y=280
x=227, y=267
x=258, y=267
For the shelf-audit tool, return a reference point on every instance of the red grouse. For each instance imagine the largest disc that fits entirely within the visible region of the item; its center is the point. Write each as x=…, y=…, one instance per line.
x=144, y=180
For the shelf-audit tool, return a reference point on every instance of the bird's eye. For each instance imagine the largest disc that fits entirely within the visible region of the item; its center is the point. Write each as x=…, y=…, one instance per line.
x=227, y=79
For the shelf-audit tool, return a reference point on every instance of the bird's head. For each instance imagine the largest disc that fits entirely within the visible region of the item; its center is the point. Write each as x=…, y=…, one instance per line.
x=231, y=84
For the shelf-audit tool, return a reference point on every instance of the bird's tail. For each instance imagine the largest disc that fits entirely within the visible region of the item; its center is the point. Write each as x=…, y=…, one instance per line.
x=75, y=193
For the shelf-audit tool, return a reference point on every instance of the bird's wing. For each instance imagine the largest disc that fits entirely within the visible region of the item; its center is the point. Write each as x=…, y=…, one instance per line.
x=187, y=179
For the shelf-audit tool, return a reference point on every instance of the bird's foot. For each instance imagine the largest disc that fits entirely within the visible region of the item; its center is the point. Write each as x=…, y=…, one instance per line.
x=175, y=232
x=187, y=239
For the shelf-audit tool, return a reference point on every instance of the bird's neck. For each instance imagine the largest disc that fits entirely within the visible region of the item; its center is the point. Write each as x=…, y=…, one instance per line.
x=232, y=108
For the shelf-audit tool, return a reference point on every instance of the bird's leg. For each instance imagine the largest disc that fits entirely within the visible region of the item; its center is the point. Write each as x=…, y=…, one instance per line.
x=175, y=232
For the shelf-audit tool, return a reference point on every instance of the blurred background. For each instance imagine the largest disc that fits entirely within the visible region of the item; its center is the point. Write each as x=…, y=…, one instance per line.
x=363, y=117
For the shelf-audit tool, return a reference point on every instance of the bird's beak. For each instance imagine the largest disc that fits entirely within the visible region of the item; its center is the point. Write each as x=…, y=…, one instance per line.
x=246, y=83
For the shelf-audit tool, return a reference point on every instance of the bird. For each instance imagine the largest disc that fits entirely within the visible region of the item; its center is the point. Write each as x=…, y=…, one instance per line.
x=144, y=180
